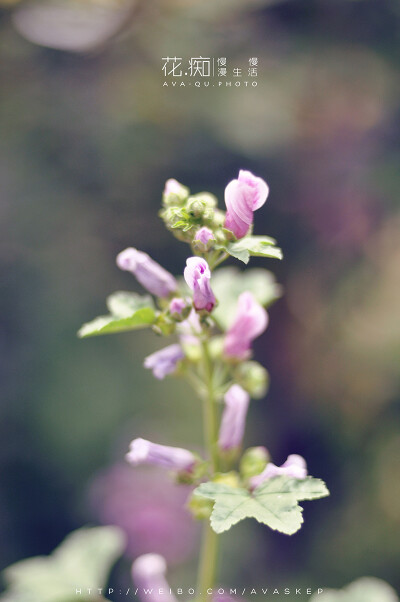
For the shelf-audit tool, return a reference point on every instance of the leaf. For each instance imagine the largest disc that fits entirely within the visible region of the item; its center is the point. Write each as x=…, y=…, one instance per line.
x=274, y=503
x=260, y=246
x=83, y=560
x=123, y=304
x=228, y=283
x=129, y=311
x=366, y=589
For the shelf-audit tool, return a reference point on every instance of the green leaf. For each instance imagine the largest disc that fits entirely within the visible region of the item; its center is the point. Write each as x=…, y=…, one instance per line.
x=228, y=283
x=83, y=560
x=260, y=246
x=123, y=304
x=274, y=503
x=367, y=589
x=129, y=311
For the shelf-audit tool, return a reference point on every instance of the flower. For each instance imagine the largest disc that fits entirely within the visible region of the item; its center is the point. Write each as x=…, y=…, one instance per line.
x=177, y=305
x=233, y=418
x=204, y=235
x=149, y=273
x=242, y=197
x=142, y=451
x=197, y=275
x=295, y=466
x=251, y=320
x=149, y=508
x=148, y=574
x=164, y=361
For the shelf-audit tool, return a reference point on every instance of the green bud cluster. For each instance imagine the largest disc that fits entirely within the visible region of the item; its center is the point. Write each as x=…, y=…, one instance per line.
x=183, y=214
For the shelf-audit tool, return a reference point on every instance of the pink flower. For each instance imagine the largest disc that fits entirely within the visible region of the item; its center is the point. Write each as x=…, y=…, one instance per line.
x=177, y=305
x=149, y=273
x=142, y=451
x=197, y=275
x=204, y=235
x=242, y=197
x=251, y=320
x=164, y=361
x=148, y=574
x=295, y=467
x=233, y=418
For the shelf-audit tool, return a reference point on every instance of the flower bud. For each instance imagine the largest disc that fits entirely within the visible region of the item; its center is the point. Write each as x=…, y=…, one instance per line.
x=149, y=273
x=164, y=361
x=202, y=238
x=148, y=574
x=242, y=197
x=233, y=418
x=295, y=467
x=253, y=377
x=175, y=194
x=253, y=461
x=251, y=320
x=197, y=275
x=142, y=451
x=200, y=507
x=177, y=306
x=195, y=207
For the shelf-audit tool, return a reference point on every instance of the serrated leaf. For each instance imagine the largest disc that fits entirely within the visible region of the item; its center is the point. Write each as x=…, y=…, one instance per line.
x=228, y=283
x=366, y=589
x=83, y=560
x=129, y=311
x=274, y=503
x=260, y=246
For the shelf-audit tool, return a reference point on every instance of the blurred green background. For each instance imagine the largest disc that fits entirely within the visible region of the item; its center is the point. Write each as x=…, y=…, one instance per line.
x=89, y=136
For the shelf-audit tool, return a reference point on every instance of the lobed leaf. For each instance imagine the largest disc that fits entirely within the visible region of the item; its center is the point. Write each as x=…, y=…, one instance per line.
x=82, y=560
x=274, y=503
x=260, y=246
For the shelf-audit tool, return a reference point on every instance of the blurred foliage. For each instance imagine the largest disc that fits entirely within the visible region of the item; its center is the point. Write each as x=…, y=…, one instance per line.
x=88, y=139
x=84, y=558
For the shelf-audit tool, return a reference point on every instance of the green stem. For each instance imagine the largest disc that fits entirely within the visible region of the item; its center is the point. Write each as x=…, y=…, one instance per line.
x=209, y=548
x=208, y=561
x=209, y=418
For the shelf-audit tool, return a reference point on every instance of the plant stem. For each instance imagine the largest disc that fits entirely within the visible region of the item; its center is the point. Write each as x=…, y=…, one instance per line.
x=209, y=548
x=209, y=418
x=208, y=560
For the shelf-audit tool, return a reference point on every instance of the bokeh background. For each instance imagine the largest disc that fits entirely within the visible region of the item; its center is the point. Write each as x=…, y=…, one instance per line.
x=89, y=136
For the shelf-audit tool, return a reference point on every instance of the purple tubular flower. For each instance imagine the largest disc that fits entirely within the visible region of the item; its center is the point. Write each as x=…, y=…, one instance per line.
x=148, y=574
x=251, y=320
x=177, y=305
x=295, y=466
x=149, y=273
x=233, y=418
x=164, y=361
x=242, y=197
x=197, y=275
x=204, y=235
x=142, y=451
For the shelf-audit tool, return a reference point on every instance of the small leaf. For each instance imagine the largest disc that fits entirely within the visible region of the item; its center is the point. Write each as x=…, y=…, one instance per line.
x=123, y=304
x=366, y=589
x=274, y=503
x=228, y=283
x=129, y=311
x=260, y=246
x=82, y=560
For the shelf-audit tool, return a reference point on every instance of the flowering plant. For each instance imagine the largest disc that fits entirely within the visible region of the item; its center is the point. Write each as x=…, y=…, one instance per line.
x=215, y=317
